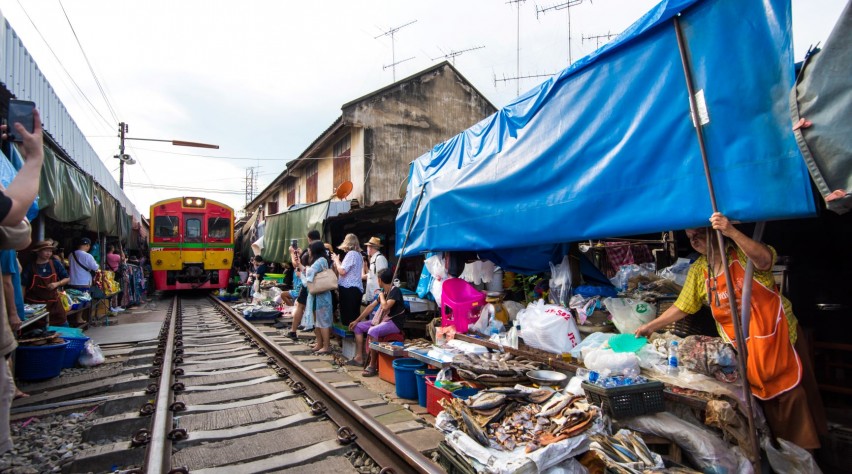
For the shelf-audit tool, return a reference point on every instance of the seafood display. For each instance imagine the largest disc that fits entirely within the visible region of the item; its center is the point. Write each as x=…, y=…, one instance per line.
x=624, y=453
x=494, y=368
x=506, y=418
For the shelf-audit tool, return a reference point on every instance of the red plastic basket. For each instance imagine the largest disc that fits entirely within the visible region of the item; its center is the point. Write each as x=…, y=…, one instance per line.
x=434, y=395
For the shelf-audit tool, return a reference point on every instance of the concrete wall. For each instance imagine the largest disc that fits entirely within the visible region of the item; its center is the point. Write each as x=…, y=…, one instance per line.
x=407, y=121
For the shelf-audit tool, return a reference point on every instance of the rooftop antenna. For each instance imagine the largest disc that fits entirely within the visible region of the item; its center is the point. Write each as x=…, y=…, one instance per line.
x=562, y=6
x=452, y=54
x=608, y=36
x=391, y=33
x=518, y=78
x=518, y=52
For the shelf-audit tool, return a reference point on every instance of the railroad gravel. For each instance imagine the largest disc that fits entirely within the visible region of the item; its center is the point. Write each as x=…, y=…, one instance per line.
x=45, y=444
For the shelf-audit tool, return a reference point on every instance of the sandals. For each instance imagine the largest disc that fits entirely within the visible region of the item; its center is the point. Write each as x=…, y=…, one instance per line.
x=323, y=352
x=354, y=363
x=292, y=335
x=369, y=372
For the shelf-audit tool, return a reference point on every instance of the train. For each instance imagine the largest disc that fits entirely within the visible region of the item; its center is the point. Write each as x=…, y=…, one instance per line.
x=191, y=241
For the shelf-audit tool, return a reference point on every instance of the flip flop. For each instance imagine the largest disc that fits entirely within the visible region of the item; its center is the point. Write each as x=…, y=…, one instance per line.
x=370, y=372
x=354, y=363
x=323, y=352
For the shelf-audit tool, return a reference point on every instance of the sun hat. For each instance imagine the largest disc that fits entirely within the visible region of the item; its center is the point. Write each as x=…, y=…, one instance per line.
x=350, y=242
x=374, y=242
x=44, y=244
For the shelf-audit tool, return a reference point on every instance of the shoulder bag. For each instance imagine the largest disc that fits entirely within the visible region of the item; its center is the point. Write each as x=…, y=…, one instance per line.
x=92, y=272
x=324, y=281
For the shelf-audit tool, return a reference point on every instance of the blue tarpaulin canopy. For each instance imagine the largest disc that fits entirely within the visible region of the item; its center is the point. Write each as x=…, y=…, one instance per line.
x=607, y=147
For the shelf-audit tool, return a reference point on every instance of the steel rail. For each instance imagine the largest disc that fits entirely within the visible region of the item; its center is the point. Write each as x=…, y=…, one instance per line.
x=381, y=444
x=158, y=454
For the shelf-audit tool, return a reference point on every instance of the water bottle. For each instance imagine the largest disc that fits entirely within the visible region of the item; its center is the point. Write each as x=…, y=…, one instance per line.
x=674, y=360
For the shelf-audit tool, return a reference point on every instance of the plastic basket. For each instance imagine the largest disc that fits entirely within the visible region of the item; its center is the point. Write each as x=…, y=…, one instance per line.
x=434, y=395
x=627, y=401
x=39, y=362
x=72, y=350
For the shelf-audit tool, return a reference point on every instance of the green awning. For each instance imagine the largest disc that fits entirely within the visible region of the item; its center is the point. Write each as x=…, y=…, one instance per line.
x=65, y=194
x=295, y=224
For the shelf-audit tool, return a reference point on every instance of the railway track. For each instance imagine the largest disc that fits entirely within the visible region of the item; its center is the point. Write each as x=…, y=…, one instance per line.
x=215, y=395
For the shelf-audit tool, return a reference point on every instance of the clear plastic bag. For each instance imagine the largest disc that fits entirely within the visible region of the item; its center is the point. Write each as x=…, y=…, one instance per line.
x=91, y=355
x=628, y=314
x=560, y=282
x=790, y=458
x=550, y=328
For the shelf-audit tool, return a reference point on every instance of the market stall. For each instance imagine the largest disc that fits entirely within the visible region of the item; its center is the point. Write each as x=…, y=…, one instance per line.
x=684, y=114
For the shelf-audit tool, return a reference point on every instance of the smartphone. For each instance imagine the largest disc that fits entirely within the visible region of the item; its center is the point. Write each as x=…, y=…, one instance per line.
x=294, y=243
x=20, y=111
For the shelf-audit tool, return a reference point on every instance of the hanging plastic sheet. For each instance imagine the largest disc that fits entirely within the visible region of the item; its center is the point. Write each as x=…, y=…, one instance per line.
x=607, y=147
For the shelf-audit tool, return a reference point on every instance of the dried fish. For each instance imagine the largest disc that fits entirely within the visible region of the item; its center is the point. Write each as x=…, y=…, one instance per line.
x=486, y=401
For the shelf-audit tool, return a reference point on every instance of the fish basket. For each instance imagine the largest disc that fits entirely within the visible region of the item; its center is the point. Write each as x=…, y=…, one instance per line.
x=698, y=324
x=627, y=401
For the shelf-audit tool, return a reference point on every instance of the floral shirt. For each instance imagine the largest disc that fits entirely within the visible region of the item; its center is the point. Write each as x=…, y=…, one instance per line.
x=353, y=265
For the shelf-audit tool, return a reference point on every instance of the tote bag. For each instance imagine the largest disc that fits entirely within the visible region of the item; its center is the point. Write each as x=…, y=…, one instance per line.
x=323, y=281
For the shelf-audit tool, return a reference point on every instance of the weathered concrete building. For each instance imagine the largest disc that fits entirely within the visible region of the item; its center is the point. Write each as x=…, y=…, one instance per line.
x=375, y=138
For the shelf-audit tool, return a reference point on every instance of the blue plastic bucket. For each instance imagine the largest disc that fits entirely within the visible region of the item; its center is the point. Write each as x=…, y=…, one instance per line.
x=39, y=362
x=403, y=372
x=421, y=384
x=465, y=393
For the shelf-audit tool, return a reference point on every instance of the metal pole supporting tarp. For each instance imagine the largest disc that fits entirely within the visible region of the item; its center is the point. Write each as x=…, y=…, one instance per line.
x=747, y=283
x=720, y=239
x=408, y=232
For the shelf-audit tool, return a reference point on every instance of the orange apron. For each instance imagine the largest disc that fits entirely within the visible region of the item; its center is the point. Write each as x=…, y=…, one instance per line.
x=773, y=366
x=39, y=293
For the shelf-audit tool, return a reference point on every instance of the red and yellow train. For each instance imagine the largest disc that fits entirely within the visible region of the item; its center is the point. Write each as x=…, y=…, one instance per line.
x=192, y=243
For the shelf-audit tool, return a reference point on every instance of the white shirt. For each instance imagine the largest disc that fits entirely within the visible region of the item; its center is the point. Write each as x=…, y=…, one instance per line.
x=80, y=276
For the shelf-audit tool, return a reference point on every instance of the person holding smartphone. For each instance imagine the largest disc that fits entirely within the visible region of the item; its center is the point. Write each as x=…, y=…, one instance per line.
x=15, y=200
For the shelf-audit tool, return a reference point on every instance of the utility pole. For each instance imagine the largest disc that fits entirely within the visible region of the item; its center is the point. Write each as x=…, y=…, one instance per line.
x=125, y=158
x=391, y=33
x=249, y=187
x=562, y=6
x=452, y=54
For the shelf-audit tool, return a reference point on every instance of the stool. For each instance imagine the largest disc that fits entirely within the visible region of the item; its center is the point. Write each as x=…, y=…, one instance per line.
x=395, y=337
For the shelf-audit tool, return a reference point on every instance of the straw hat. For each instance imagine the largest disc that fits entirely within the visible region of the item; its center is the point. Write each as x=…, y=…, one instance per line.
x=374, y=242
x=44, y=244
x=350, y=242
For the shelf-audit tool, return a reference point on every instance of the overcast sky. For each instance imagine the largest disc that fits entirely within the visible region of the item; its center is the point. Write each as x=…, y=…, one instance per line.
x=262, y=79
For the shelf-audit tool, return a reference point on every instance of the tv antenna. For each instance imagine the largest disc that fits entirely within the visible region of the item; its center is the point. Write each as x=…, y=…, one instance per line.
x=391, y=32
x=562, y=6
x=518, y=78
x=518, y=42
x=452, y=54
x=608, y=36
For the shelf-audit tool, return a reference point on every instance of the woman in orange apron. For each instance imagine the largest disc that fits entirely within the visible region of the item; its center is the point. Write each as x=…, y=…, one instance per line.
x=42, y=279
x=774, y=367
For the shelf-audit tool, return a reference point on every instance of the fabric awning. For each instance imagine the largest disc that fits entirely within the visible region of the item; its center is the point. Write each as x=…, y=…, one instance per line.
x=607, y=147
x=294, y=224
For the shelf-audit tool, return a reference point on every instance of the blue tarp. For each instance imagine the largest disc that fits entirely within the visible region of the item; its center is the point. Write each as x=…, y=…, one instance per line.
x=607, y=147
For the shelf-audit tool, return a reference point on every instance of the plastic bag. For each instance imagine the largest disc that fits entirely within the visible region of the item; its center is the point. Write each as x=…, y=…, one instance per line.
x=435, y=265
x=616, y=362
x=677, y=272
x=549, y=327
x=560, y=282
x=512, y=308
x=91, y=355
x=424, y=285
x=628, y=314
x=593, y=341
x=789, y=458
x=626, y=272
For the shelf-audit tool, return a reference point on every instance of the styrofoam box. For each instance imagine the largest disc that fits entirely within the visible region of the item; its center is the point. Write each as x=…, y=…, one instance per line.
x=419, y=305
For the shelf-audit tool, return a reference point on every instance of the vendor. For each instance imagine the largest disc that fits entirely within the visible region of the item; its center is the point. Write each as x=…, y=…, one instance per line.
x=388, y=320
x=42, y=280
x=779, y=371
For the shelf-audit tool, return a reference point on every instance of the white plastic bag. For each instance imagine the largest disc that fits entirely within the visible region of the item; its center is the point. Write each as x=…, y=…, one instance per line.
x=435, y=264
x=548, y=327
x=617, y=362
x=628, y=314
x=91, y=355
x=790, y=458
x=677, y=272
x=560, y=282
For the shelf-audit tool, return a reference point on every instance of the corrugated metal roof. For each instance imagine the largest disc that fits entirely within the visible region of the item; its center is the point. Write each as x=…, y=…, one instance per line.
x=21, y=76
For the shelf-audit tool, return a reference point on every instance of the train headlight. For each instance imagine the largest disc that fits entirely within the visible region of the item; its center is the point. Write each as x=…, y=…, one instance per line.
x=198, y=202
x=189, y=202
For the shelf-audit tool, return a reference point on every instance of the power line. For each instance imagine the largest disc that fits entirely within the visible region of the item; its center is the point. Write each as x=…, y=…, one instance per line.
x=88, y=63
x=180, y=188
x=286, y=160
x=107, y=122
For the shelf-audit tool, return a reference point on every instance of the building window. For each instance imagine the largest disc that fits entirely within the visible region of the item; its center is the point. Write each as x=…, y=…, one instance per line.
x=291, y=194
x=312, y=183
x=272, y=206
x=342, y=162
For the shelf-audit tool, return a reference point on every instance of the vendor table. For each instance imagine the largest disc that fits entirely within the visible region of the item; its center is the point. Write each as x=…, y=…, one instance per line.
x=398, y=351
x=422, y=357
x=557, y=362
x=33, y=319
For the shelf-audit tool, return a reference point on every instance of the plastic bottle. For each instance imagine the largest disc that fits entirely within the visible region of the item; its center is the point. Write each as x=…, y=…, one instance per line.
x=513, y=336
x=674, y=360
